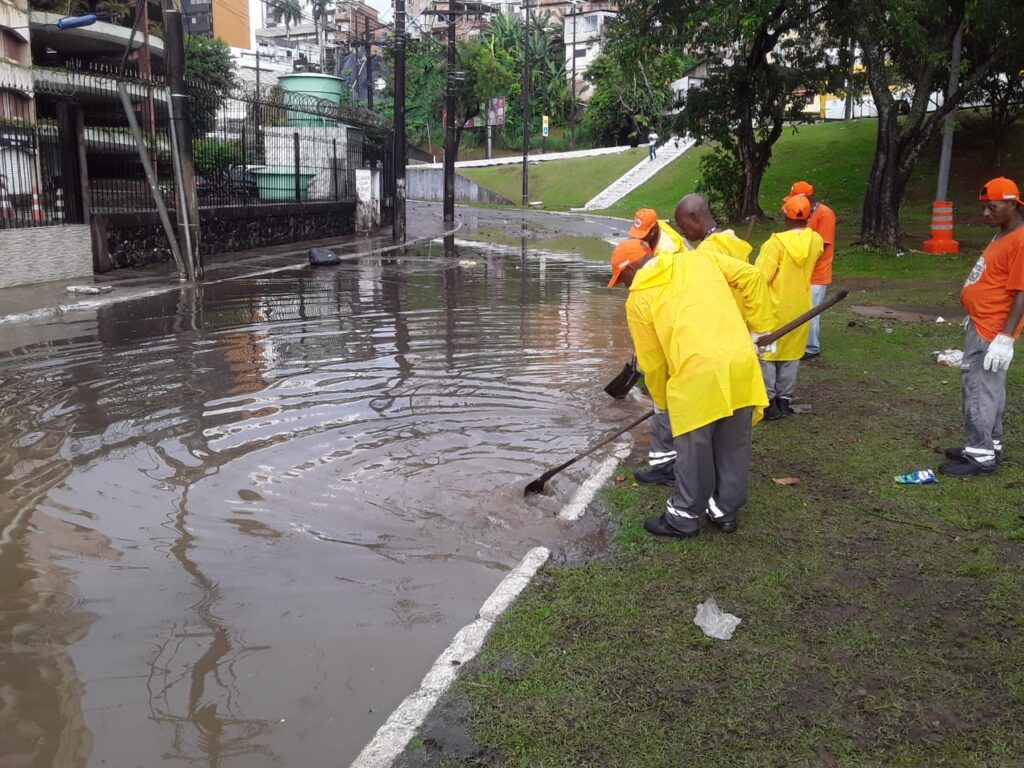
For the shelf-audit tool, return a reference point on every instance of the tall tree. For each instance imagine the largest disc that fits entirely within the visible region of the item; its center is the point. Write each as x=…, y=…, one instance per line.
x=209, y=75
x=759, y=53
x=906, y=48
x=287, y=12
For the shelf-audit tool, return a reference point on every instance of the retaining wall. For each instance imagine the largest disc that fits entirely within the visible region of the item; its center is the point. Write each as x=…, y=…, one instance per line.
x=428, y=184
x=41, y=254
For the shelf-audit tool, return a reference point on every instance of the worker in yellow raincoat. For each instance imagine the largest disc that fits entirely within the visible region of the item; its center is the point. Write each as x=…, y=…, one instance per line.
x=663, y=241
x=787, y=262
x=698, y=362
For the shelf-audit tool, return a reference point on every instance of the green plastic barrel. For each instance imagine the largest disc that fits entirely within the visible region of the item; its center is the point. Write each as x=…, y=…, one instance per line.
x=278, y=183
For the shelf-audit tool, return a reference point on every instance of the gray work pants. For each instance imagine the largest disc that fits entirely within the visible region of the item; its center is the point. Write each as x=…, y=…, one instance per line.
x=712, y=468
x=780, y=377
x=662, y=449
x=984, y=398
x=814, y=335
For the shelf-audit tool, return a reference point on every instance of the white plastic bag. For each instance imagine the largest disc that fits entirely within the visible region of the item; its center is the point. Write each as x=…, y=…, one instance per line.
x=714, y=621
x=950, y=357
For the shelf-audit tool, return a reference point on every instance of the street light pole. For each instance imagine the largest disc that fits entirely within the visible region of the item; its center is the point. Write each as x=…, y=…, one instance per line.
x=526, y=102
x=400, y=149
x=449, y=119
x=572, y=106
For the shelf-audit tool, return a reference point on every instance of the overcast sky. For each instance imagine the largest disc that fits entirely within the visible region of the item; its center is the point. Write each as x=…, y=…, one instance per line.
x=383, y=8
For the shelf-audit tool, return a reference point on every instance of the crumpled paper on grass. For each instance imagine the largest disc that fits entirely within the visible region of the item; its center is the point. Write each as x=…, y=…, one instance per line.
x=714, y=621
x=950, y=357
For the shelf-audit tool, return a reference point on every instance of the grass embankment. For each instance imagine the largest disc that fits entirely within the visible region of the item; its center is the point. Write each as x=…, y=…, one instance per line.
x=883, y=625
x=559, y=184
x=836, y=158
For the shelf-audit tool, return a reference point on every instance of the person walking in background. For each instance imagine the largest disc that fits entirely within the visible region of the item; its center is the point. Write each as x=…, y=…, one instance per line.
x=787, y=260
x=993, y=297
x=822, y=221
x=652, y=144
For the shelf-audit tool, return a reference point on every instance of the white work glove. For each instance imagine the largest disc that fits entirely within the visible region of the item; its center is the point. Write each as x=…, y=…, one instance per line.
x=770, y=349
x=1000, y=353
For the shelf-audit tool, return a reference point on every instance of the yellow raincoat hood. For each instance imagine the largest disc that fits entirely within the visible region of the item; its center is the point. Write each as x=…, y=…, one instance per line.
x=692, y=344
x=787, y=262
x=727, y=243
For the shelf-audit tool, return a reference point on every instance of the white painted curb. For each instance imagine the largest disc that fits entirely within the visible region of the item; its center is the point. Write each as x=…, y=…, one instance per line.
x=401, y=726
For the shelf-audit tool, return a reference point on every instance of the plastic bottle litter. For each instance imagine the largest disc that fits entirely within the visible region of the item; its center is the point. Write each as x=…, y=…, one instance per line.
x=89, y=289
x=950, y=357
x=714, y=622
x=920, y=477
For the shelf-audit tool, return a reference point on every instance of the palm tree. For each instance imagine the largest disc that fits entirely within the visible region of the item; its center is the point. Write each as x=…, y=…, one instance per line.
x=319, y=9
x=285, y=12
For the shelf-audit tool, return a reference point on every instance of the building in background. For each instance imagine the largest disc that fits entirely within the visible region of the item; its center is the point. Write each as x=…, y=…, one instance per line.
x=226, y=19
x=16, y=103
x=585, y=26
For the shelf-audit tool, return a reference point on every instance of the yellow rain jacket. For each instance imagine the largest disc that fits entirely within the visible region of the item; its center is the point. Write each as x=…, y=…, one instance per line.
x=670, y=241
x=727, y=243
x=787, y=261
x=691, y=342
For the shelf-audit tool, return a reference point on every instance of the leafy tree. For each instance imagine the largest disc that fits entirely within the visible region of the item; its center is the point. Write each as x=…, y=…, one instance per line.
x=287, y=12
x=759, y=53
x=1002, y=90
x=632, y=79
x=210, y=76
x=906, y=48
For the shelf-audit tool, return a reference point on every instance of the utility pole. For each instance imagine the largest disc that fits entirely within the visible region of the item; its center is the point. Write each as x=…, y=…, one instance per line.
x=181, y=115
x=572, y=105
x=526, y=102
x=400, y=150
x=369, y=63
x=449, y=120
x=942, y=240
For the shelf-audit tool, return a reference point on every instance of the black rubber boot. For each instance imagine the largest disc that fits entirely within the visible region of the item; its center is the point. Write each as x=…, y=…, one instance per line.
x=659, y=526
x=966, y=467
x=785, y=405
x=663, y=474
x=773, y=412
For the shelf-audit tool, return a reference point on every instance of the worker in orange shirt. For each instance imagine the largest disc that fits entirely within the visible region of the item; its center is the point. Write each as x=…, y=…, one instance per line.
x=993, y=296
x=822, y=221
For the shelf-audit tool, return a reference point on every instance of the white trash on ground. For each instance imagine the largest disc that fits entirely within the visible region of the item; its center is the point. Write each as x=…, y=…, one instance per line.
x=90, y=289
x=950, y=357
x=940, y=319
x=715, y=622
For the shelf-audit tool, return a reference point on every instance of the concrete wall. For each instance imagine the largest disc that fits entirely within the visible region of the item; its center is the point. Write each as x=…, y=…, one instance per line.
x=42, y=254
x=428, y=184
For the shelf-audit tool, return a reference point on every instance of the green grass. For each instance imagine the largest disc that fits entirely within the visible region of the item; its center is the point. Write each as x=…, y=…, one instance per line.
x=882, y=624
x=836, y=158
x=559, y=184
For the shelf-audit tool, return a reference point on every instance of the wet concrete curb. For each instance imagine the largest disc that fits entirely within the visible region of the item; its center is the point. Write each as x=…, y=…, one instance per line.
x=392, y=738
x=59, y=309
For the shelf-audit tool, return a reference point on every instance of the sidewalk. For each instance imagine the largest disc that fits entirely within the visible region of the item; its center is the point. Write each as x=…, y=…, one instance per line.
x=534, y=158
x=44, y=301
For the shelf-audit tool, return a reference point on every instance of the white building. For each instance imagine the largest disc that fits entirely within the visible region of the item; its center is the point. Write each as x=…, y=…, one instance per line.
x=584, y=38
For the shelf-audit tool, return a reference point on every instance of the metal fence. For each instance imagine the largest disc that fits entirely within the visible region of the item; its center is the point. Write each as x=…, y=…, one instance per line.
x=252, y=147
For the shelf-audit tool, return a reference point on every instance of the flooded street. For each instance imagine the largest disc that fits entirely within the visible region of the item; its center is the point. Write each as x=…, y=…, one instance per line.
x=238, y=522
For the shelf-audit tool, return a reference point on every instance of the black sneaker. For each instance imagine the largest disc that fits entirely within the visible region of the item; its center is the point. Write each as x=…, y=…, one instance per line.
x=726, y=524
x=785, y=405
x=659, y=526
x=811, y=356
x=663, y=474
x=966, y=467
x=773, y=412
x=960, y=454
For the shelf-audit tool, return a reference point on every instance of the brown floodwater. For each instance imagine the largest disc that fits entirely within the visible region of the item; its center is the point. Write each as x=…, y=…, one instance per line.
x=238, y=522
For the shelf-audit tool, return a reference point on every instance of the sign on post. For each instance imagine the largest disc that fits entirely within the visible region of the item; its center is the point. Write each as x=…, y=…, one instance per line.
x=544, y=126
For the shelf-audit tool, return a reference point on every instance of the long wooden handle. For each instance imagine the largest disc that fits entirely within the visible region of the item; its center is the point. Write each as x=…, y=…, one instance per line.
x=796, y=322
x=552, y=472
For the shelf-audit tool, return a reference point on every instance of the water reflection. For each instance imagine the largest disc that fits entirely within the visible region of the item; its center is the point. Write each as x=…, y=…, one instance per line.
x=237, y=522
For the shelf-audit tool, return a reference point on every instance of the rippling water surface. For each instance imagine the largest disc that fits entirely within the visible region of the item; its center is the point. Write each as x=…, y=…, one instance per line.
x=238, y=522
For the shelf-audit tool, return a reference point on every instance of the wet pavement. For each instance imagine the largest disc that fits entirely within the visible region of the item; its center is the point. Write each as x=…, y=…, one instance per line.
x=239, y=521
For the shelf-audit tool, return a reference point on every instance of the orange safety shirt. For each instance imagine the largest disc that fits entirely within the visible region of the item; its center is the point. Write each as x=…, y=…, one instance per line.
x=823, y=221
x=993, y=284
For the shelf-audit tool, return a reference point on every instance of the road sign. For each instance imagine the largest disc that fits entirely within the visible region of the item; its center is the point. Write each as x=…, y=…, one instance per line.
x=544, y=126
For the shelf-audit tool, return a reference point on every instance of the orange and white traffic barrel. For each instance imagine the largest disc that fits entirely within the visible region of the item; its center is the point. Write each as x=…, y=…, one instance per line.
x=942, y=240
x=37, y=208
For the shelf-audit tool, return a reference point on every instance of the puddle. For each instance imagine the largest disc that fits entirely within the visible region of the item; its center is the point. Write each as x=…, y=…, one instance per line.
x=238, y=522
x=907, y=314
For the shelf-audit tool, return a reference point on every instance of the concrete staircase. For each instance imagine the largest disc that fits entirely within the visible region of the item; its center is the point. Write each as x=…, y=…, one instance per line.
x=638, y=174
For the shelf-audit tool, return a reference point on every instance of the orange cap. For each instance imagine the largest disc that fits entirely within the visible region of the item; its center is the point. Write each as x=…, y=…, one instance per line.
x=801, y=188
x=627, y=252
x=1000, y=189
x=643, y=221
x=797, y=207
